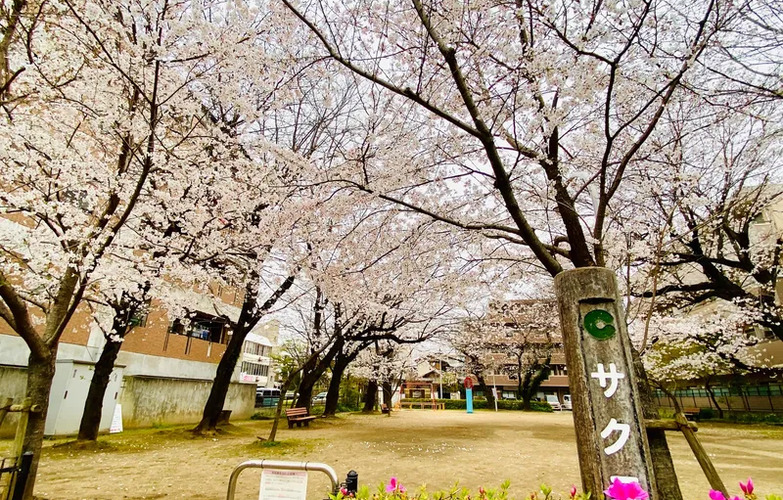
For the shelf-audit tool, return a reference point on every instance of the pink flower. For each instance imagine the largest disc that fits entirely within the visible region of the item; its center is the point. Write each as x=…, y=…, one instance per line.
x=394, y=486
x=717, y=495
x=572, y=491
x=747, y=488
x=626, y=491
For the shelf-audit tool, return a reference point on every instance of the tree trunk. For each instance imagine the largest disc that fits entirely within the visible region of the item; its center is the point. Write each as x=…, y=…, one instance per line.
x=486, y=390
x=370, y=396
x=311, y=376
x=519, y=376
x=714, y=400
x=533, y=380
x=217, y=394
x=40, y=375
x=387, y=394
x=305, y=390
x=93, y=406
x=333, y=396
x=665, y=475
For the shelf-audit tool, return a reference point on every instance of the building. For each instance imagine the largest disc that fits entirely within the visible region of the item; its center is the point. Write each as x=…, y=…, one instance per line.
x=163, y=372
x=515, y=335
x=255, y=363
x=755, y=230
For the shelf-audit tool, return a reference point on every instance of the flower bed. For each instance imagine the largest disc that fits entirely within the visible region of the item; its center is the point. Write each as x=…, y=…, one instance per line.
x=618, y=490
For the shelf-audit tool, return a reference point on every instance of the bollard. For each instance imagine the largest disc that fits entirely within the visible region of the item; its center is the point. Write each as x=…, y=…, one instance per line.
x=352, y=482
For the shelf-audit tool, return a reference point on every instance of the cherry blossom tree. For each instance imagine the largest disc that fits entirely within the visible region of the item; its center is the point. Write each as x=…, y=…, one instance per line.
x=537, y=111
x=517, y=337
x=383, y=365
x=712, y=234
x=120, y=299
x=104, y=108
x=381, y=280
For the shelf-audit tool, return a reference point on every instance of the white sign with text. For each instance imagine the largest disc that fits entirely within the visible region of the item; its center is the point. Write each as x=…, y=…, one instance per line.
x=283, y=485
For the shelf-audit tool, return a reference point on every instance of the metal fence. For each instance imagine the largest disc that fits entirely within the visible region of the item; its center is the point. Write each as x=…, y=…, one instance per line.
x=752, y=398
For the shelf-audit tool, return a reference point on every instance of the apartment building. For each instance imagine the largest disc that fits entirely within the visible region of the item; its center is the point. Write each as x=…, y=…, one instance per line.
x=163, y=373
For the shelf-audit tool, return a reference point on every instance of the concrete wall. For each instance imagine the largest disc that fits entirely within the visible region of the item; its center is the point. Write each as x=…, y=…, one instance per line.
x=13, y=380
x=150, y=401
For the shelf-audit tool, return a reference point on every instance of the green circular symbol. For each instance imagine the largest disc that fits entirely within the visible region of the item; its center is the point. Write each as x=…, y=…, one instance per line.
x=598, y=323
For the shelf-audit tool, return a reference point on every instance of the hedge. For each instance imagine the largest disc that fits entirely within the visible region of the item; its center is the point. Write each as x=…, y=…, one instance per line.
x=483, y=404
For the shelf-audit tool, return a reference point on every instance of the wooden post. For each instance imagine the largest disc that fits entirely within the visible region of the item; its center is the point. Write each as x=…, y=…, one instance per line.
x=21, y=427
x=610, y=433
x=4, y=409
x=701, y=454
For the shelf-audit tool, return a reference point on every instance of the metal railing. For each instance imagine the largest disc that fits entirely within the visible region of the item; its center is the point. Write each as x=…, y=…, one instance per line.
x=280, y=465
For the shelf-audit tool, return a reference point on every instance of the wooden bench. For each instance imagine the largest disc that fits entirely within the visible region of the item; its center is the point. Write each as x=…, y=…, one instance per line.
x=385, y=409
x=298, y=416
x=423, y=404
x=691, y=413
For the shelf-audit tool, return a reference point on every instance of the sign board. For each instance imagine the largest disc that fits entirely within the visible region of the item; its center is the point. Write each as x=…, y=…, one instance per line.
x=283, y=485
x=611, y=438
x=116, y=420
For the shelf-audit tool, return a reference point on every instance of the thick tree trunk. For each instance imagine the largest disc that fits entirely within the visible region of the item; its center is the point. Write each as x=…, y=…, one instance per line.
x=40, y=374
x=387, y=394
x=665, y=475
x=217, y=394
x=370, y=396
x=533, y=380
x=525, y=392
x=311, y=376
x=248, y=318
x=93, y=407
x=333, y=395
x=305, y=390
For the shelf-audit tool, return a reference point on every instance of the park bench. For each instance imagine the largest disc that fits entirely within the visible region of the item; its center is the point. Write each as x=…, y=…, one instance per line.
x=385, y=409
x=298, y=416
x=422, y=404
x=691, y=413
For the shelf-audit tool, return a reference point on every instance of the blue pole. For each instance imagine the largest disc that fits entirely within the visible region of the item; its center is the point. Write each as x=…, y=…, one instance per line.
x=469, y=397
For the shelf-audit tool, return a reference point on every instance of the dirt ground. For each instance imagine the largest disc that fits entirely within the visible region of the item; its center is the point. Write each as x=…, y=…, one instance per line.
x=437, y=448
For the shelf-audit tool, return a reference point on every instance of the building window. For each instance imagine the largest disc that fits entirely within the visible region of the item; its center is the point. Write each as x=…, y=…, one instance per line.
x=202, y=326
x=139, y=316
x=254, y=369
x=256, y=349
